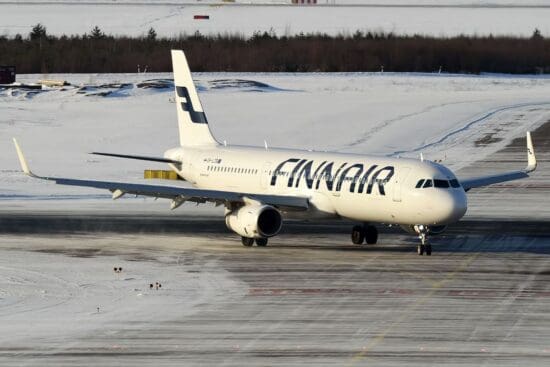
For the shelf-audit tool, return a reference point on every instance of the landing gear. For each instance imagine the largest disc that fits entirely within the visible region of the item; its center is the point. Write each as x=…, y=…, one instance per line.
x=357, y=235
x=424, y=246
x=371, y=234
x=248, y=242
x=366, y=233
x=262, y=242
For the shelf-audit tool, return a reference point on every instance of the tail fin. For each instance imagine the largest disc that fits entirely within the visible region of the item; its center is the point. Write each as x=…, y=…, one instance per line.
x=192, y=122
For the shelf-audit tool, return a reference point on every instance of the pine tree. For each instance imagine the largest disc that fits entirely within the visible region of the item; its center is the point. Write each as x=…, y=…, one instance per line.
x=97, y=33
x=38, y=32
x=537, y=36
x=151, y=34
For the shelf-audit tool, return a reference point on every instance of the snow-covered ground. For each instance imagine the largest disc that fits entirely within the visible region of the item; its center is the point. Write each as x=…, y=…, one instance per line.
x=48, y=299
x=443, y=116
x=331, y=2
x=171, y=19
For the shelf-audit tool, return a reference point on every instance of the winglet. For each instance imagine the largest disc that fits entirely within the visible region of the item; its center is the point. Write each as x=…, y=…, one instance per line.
x=22, y=160
x=531, y=158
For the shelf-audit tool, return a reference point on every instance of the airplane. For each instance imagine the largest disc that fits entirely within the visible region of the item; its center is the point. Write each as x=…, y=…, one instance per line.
x=261, y=186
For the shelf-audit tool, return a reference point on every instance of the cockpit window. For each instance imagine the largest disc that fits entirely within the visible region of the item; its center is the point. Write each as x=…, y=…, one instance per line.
x=443, y=184
x=419, y=184
x=455, y=183
x=428, y=183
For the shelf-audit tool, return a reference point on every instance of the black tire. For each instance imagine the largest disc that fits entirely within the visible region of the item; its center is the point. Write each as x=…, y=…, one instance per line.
x=371, y=235
x=420, y=250
x=357, y=235
x=429, y=250
x=247, y=241
x=262, y=242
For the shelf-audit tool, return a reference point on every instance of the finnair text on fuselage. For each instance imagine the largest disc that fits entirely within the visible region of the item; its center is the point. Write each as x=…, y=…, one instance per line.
x=357, y=174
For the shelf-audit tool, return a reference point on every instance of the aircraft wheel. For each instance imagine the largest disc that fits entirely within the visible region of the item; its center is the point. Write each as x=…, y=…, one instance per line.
x=357, y=235
x=428, y=249
x=420, y=249
x=247, y=241
x=262, y=242
x=371, y=234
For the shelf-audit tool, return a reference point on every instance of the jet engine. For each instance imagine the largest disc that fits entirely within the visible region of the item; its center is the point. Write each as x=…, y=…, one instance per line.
x=255, y=221
x=433, y=230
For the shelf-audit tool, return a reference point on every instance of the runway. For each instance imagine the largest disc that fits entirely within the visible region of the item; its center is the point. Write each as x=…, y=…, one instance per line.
x=307, y=299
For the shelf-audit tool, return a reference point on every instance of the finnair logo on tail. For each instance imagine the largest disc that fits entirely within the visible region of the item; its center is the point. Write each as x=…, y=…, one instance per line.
x=197, y=117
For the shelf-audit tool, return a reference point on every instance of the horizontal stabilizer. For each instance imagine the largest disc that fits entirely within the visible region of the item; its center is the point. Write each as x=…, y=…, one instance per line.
x=139, y=157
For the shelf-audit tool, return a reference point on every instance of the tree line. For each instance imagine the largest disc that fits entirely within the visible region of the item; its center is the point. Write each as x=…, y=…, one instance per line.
x=97, y=52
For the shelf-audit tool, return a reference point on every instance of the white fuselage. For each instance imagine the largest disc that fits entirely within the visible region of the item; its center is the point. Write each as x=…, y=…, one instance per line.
x=358, y=187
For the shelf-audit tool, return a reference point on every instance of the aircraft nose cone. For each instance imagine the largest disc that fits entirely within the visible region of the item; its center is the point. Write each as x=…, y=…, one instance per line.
x=457, y=205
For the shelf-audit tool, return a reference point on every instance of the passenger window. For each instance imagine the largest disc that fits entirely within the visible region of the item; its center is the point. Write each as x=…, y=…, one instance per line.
x=442, y=184
x=419, y=184
x=455, y=183
x=428, y=183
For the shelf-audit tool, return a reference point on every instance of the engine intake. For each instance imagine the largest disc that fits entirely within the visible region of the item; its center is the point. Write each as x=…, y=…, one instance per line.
x=255, y=221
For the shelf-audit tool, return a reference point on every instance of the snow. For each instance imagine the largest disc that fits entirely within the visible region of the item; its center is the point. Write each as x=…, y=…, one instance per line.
x=49, y=298
x=487, y=3
x=442, y=116
x=171, y=19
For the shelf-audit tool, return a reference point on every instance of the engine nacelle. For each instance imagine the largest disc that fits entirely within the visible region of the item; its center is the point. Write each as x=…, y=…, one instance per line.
x=255, y=221
x=433, y=230
x=436, y=229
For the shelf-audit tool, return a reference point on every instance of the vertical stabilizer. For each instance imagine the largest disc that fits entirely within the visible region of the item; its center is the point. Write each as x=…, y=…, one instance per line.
x=192, y=122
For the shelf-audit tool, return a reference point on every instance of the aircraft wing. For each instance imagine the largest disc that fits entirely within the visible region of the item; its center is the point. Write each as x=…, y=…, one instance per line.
x=178, y=195
x=474, y=182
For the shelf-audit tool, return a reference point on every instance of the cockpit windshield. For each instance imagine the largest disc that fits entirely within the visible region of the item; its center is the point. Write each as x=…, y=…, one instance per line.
x=437, y=183
x=442, y=184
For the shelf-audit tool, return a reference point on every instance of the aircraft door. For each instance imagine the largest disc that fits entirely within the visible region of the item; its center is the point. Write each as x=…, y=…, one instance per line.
x=264, y=175
x=400, y=179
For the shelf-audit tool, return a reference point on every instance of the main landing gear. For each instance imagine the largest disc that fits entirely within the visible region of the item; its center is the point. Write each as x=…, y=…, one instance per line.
x=365, y=233
x=424, y=246
x=248, y=242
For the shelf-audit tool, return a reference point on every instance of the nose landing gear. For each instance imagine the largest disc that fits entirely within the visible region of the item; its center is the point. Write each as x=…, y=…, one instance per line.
x=424, y=246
